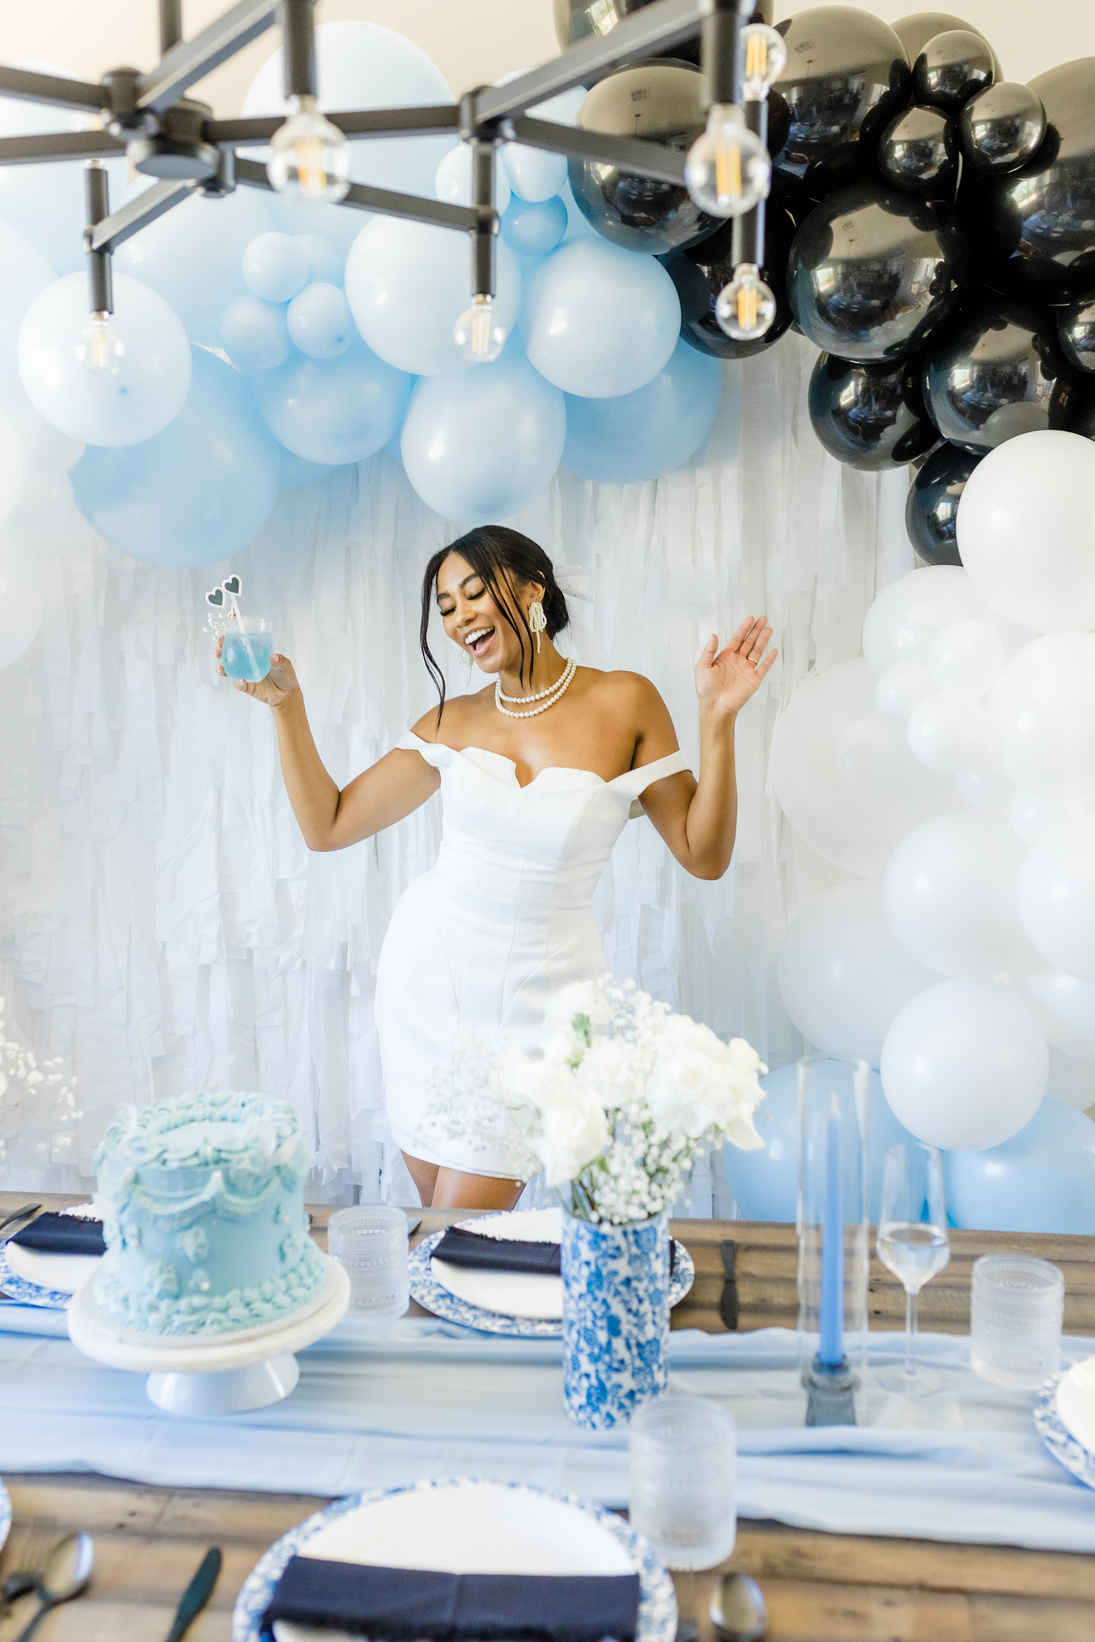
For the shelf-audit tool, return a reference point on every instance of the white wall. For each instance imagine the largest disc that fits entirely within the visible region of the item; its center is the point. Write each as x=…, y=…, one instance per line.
x=472, y=41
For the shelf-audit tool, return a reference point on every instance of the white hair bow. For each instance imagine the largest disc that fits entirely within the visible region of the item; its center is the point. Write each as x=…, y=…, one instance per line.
x=573, y=581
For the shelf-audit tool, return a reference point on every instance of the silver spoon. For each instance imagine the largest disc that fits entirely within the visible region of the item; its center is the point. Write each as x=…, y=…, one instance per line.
x=67, y=1570
x=737, y=1609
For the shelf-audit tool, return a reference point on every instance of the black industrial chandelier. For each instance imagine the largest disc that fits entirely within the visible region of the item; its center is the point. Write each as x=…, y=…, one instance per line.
x=174, y=139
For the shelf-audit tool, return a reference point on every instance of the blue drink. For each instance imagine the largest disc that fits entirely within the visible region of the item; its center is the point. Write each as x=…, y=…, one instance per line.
x=246, y=655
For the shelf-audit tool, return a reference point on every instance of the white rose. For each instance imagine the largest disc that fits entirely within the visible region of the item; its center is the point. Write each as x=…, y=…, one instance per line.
x=573, y=1133
x=613, y=1072
x=701, y=1083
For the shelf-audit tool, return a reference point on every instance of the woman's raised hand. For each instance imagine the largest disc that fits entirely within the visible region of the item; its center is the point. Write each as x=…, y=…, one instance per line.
x=275, y=688
x=725, y=679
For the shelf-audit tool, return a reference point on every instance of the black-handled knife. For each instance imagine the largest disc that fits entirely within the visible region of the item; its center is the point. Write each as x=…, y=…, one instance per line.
x=196, y=1595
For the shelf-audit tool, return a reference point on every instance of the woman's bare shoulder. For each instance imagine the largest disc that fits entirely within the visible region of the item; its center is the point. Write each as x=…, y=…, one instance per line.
x=622, y=687
x=448, y=723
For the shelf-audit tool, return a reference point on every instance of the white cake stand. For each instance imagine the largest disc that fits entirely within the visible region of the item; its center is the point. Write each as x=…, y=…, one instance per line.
x=222, y=1374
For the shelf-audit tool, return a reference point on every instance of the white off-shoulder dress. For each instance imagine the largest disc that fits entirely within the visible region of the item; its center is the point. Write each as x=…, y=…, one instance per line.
x=477, y=947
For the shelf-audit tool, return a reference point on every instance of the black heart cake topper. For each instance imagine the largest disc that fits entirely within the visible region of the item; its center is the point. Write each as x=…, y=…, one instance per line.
x=215, y=597
x=233, y=585
x=219, y=600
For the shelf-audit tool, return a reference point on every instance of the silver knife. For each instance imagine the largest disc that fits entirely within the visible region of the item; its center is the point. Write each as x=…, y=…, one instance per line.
x=196, y=1595
x=16, y=1215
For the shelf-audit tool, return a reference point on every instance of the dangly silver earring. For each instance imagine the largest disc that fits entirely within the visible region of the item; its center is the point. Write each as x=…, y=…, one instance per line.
x=537, y=621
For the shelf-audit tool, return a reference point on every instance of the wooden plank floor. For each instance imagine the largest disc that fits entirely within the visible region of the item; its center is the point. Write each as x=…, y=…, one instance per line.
x=819, y=1587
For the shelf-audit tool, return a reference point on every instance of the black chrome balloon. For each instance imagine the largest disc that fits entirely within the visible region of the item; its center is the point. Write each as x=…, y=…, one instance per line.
x=701, y=273
x=662, y=102
x=931, y=508
x=952, y=68
x=919, y=27
x=1002, y=127
x=990, y=375
x=578, y=19
x=1076, y=330
x=870, y=416
x=1035, y=228
x=1072, y=404
x=919, y=151
x=874, y=273
x=846, y=77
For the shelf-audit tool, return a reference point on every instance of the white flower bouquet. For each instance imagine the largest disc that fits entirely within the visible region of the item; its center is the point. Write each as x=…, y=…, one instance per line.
x=626, y=1094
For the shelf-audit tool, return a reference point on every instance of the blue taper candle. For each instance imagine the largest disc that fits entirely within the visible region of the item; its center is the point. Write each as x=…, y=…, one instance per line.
x=831, y=1344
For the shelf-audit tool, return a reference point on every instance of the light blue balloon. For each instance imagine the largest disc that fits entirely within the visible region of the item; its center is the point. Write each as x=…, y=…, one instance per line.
x=1041, y=1180
x=46, y=203
x=534, y=230
x=481, y=444
x=295, y=471
x=254, y=334
x=333, y=410
x=325, y=261
x=765, y=1183
x=649, y=432
x=598, y=321
x=319, y=321
x=578, y=224
x=191, y=255
x=197, y=492
x=275, y=267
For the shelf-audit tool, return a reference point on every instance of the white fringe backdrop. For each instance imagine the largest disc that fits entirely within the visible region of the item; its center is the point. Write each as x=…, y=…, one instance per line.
x=162, y=925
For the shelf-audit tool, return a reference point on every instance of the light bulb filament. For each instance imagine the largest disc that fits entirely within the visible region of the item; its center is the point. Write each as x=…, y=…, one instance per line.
x=756, y=55
x=310, y=171
x=747, y=307
x=480, y=329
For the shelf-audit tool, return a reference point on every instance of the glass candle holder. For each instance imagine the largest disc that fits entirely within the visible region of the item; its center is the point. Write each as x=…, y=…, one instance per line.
x=246, y=650
x=1016, y=1310
x=370, y=1244
x=833, y=1233
x=683, y=1456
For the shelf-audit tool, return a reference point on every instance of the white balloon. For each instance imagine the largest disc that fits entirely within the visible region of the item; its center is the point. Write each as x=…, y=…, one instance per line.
x=407, y=284
x=985, y=790
x=900, y=688
x=535, y=174
x=1032, y=815
x=454, y=180
x=953, y=732
x=965, y=1065
x=43, y=445
x=845, y=777
x=1057, y=896
x=22, y=599
x=907, y=615
x=1065, y=1006
x=842, y=976
x=967, y=656
x=1045, y=716
x=949, y=896
x=11, y=473
x=126, y=406
x=47, y=519
x=26, y=272
x=1026, y=530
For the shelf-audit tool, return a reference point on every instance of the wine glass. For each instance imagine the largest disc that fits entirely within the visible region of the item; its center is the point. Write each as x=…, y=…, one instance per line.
x=913, y=1244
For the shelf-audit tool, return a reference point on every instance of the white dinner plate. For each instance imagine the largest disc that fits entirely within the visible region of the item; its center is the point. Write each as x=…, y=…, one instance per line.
x=49, y=1280
x=511, y=1293
x=1076, y=1402
x=1057, y=1420
x=464, y=1526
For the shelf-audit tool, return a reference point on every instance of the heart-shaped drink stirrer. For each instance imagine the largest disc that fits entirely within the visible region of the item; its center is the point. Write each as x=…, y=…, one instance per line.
x=220, y=620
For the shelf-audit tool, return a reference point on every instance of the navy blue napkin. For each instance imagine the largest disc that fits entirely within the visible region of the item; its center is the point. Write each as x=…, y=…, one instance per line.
x=405, y=1604
x=62, y=1234
x=476, y=1252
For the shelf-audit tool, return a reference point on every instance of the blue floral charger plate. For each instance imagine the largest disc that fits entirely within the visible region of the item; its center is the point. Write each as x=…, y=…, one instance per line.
x=429, y=1293
x=657, y=1599
x=1064, y=1447
x=28, y=1293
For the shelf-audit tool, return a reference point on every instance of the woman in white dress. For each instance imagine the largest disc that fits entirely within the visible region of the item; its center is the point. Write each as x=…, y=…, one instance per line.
x=538, y=774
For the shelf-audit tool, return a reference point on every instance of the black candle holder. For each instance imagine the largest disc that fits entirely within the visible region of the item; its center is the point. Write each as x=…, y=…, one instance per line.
x=830, y=1393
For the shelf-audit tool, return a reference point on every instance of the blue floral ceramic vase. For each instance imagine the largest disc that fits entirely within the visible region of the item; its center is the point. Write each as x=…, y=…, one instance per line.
x=615, y=1318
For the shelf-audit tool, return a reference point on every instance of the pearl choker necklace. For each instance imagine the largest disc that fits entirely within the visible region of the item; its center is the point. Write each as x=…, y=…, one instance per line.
x=546, y=698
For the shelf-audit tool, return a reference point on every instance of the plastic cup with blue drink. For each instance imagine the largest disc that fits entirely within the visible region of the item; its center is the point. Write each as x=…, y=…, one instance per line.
x=245, y=653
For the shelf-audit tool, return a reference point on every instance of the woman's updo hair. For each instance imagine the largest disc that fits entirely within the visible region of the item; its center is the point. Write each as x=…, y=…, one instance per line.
x=504, y=560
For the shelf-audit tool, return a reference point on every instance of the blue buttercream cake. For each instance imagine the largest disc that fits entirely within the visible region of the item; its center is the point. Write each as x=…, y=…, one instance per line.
x=203, y=1215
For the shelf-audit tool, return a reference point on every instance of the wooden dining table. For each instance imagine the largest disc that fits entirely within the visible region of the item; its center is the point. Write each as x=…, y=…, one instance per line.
x=819, y=1587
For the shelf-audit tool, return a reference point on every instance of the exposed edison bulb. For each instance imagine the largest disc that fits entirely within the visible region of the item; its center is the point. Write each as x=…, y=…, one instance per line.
x=478, y=334
x=100, y=349
x=746, y=307
x=727, y=169
x=765, y=58
x=309, y=157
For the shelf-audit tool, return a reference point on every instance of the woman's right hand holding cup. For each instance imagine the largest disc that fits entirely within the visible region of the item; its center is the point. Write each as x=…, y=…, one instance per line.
x=275, y=689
